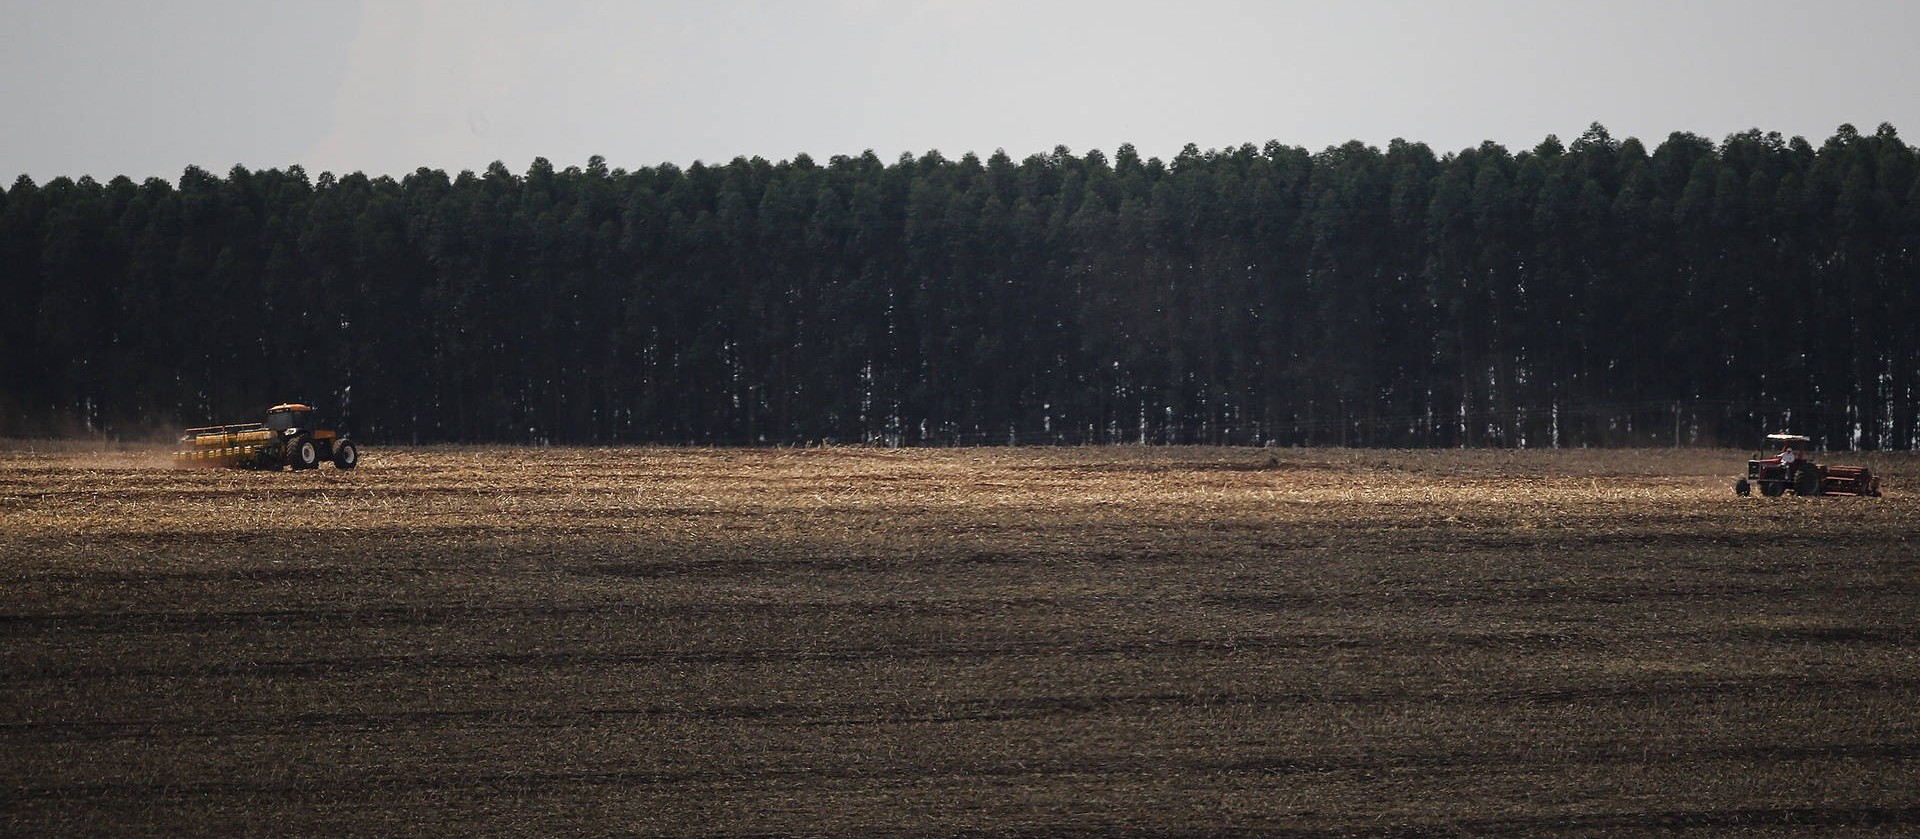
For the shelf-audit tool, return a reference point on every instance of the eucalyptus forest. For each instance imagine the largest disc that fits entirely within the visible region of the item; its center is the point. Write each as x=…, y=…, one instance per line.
x=1592, y=293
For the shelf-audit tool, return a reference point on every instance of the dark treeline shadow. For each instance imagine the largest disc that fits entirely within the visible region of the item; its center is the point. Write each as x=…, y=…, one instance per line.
x=1592, y=293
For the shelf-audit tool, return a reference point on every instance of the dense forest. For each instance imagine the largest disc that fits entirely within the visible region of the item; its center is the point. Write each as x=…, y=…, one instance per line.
x=1591, y=293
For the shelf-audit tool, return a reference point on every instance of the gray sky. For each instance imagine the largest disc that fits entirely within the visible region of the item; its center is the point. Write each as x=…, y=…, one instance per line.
x=147, y=87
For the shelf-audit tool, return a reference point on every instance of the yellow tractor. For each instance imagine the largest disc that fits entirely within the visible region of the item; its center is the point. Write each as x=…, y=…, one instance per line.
x=289, y=438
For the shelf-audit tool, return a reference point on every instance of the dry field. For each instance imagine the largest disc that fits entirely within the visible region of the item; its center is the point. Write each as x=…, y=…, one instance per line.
x=857, y=642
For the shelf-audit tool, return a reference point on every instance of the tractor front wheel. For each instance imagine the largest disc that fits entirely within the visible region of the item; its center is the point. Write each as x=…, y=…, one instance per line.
x=346, y=455
x=1772, y=489
x=1742, y=488
x=303, y=454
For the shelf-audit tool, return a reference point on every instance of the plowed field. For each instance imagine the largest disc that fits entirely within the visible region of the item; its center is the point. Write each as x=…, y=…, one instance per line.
x=858, y=642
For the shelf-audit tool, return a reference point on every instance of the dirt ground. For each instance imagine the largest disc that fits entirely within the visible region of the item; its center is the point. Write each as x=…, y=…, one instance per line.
x=989, y=642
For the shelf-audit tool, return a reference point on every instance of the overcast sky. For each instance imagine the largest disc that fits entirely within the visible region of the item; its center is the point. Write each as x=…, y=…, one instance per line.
x=147, y=87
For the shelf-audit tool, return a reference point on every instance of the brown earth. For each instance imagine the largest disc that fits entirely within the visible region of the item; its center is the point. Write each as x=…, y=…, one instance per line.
x=858, y=642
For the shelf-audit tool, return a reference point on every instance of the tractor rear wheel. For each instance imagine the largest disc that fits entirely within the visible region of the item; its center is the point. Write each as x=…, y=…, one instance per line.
x=303, y=454
x=346, y=455
x=1808, y=483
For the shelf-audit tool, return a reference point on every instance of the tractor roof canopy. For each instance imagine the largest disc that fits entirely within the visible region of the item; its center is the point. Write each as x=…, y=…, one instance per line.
x=289, y=406
x=1783, y=437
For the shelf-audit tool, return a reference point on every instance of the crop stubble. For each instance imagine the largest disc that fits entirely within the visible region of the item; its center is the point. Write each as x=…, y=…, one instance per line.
x=1132, y=641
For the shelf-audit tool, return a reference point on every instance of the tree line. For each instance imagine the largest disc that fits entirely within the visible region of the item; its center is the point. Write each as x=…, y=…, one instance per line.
x=1591, y=293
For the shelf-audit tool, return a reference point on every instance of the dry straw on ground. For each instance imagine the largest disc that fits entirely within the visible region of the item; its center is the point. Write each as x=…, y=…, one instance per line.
x=940, y=642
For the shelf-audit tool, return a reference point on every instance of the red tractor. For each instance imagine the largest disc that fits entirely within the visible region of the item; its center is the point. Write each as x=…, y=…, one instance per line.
x=1792, y=471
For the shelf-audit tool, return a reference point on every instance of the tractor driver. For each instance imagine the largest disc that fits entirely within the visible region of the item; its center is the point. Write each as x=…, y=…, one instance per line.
x=1790, y=459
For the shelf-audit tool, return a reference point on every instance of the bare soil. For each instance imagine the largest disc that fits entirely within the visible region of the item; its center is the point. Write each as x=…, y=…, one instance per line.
x=992, y=642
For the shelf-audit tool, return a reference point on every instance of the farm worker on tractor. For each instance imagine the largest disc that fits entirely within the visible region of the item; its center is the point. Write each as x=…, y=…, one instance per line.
x=1790, y=459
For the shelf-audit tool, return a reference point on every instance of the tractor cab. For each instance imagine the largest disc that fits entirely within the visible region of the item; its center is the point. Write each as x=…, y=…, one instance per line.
x=283, y=418
x=1787, y=469
x=1789, y=449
